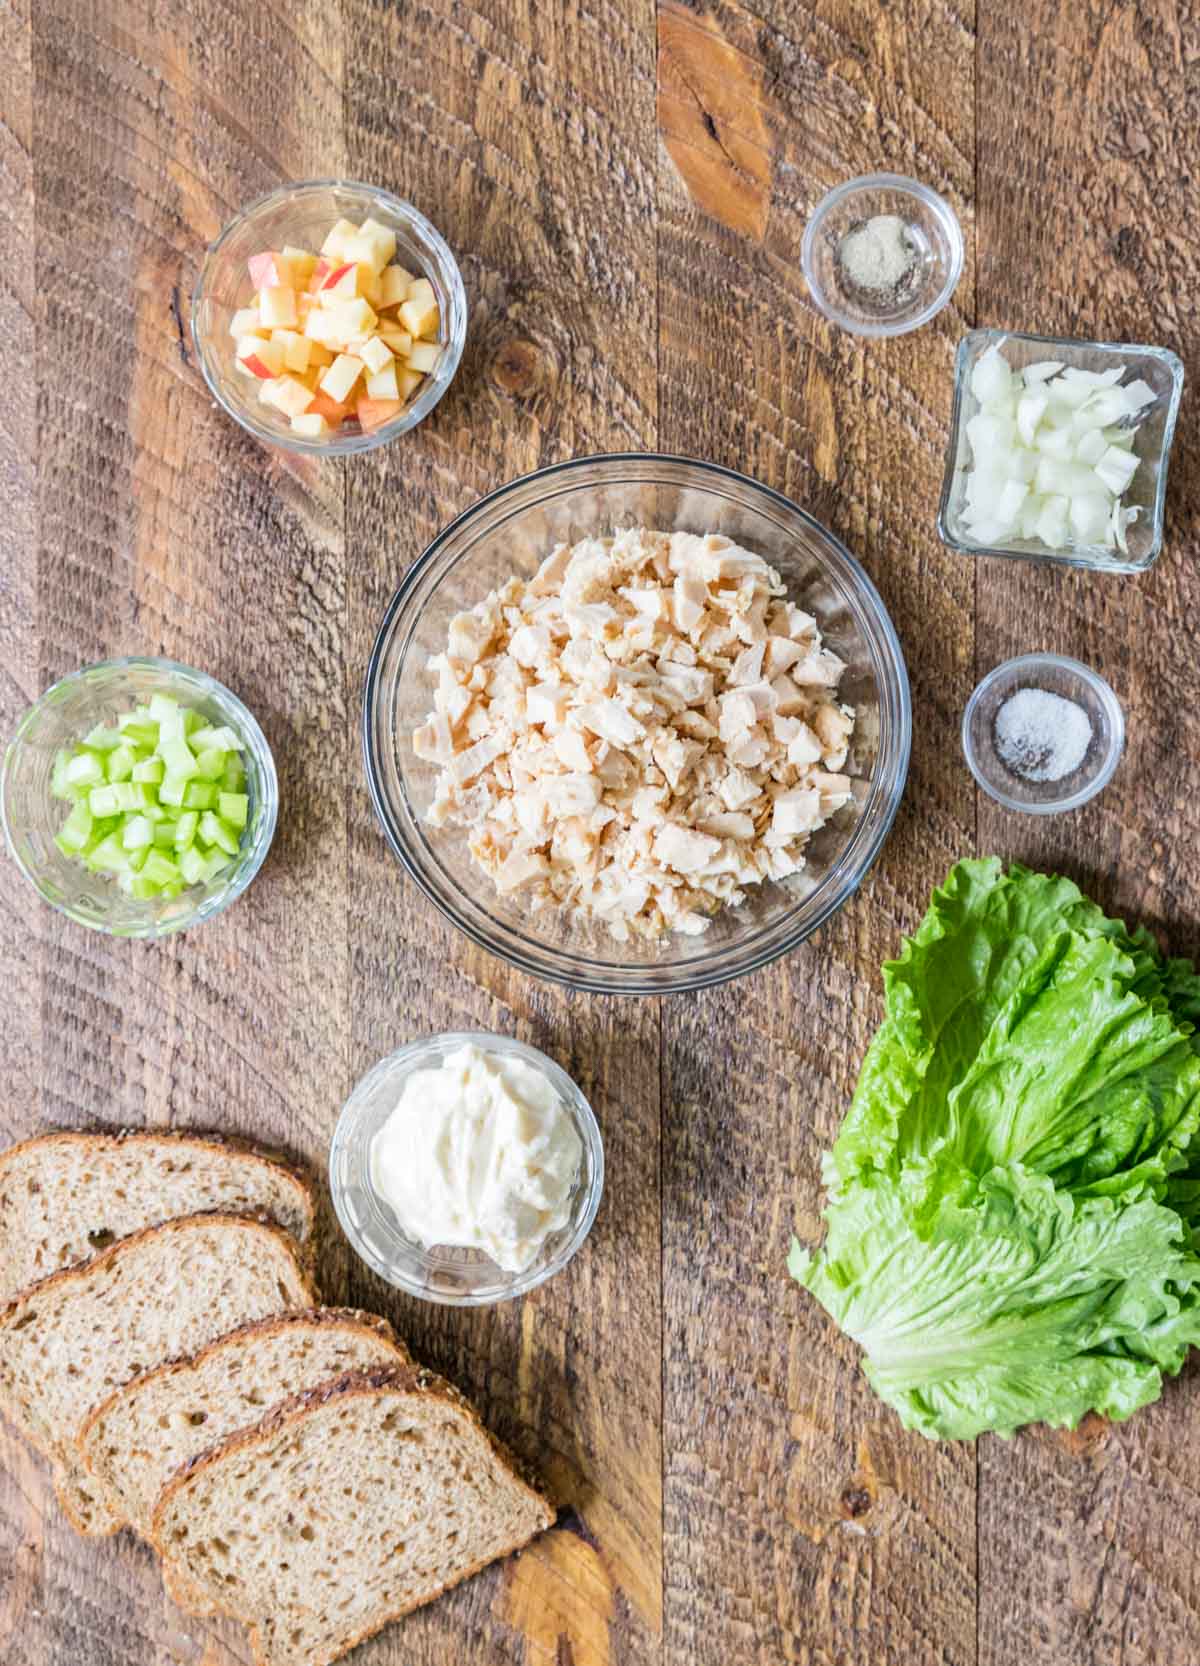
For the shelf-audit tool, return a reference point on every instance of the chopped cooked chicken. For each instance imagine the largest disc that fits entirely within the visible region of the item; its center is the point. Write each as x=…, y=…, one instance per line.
x=639, y=731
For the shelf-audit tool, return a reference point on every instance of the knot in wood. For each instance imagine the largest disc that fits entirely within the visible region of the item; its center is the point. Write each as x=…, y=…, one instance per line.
x=856, y=1501
x=519, y=368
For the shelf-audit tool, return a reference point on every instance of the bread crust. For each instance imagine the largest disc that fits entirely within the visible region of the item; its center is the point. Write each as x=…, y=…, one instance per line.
x=352, y=1384
x=87, y=1269
x=276, y=1324
x=209, y=1143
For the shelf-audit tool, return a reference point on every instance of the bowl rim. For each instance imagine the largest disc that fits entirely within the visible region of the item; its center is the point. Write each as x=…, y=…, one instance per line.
x=991, y=335
x=248, y=725
x=412, y=1055
x=350, y=445
x=1104, y=693
x=937, y=205
x=596, y=976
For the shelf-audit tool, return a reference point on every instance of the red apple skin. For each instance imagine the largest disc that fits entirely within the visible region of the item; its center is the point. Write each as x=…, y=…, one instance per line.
x=254, y=363
x=337, y=275
x=373, y=413
x=319, y=273
x=264, y=274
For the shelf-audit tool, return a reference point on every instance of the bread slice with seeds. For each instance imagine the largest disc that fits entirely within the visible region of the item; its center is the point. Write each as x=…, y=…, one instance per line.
x=65, y=1196
x=144, y=1432
x=345, y=1509
x=160, y=1294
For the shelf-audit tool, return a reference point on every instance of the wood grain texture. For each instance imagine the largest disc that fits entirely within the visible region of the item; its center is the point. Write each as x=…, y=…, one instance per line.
x=1087, y=190
x=533, y=152
x=626, y=187
x=801, y=1523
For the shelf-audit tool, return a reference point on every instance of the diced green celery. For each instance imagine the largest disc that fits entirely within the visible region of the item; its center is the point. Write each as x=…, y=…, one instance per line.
x=139, y=734
x=199, y=795
x=137, y=833
x=110, y=854
x=136, y=885
x=84, y=770
x=234, y=778
x=193, y=721
x=220, y=736
x=233, y=808
x=159, y=867
x=167, y=713
x=150, y=770
x=214, y=832
x=128, y=795
x=164, y=834
x=185, y=829
x=193, y=865
x=103, y=801
x=76, y=832
x=137, y=857
x=58, y=779
x=210, y=764
x=172, y=789
x=120, y=763
x=101, y=739
x=178, y=757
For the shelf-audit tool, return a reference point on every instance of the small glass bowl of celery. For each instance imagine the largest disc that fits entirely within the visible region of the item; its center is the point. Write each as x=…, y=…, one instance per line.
x=139, y=797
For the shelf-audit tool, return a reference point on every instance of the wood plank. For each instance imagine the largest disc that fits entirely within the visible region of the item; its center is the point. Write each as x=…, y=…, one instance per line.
x=164, y=530
x=530, y=145
x=802, y=1524
x=1087, y=149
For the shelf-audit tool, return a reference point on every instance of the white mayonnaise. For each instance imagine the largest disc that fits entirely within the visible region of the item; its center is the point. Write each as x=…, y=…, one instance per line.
x=479, y=1152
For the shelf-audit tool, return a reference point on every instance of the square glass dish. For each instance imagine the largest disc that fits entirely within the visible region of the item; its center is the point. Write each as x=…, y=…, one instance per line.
x=1158, y=367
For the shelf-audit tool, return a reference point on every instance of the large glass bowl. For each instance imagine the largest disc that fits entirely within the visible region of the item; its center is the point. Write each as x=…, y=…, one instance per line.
x=32, y=816
x=302, y=215
x=510, y=532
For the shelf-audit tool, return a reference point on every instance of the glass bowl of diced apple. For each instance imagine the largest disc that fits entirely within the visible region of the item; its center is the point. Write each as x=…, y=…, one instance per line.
x=329, y=317
x=139, y=797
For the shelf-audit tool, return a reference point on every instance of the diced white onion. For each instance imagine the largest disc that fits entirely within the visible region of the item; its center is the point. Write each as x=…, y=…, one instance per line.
x=1052, y=452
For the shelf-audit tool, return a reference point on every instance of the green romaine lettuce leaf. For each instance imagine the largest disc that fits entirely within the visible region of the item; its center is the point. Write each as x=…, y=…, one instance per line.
x=1014, y=1210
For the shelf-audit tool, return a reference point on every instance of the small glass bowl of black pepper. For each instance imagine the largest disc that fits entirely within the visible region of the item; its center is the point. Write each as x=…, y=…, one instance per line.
x=882, y=254
x=1043, y=734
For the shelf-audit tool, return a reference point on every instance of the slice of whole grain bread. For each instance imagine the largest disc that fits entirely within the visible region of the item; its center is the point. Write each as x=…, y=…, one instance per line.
x=67, y=1342
x=63, y=1197
x=344, y=1509
x=137, y=1438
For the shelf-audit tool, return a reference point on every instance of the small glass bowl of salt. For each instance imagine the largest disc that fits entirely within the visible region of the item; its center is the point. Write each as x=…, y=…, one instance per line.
x=882, y=254
x=1043, y=734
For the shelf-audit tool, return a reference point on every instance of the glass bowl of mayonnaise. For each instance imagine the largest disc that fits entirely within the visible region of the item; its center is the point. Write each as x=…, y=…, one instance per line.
x=466, y=1169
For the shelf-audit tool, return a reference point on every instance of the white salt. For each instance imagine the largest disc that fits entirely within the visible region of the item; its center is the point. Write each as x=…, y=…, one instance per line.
x=1042, y=736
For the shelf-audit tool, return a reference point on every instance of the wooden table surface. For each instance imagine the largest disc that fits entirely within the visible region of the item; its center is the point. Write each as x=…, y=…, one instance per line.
x=626, y=189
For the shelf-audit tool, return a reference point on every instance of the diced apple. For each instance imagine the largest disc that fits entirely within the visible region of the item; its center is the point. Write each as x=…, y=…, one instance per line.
x=323, y=326
x=304, y=304
x=394, y=285
x=277, y=307
x=356, y=318
x=303, y=263
x=368, y=283
x=424, y=356
x=340, y=283
x=383, y=384
x=318, y=355
x=311, y=424
x=334, y=412
x=270, y=270
x=335, y=242
x=419, y=314
x=408, y=381
x=246, y=322
x=318, y=275
x=399, y=341
x=375, y=354
x=373, y=243
x=341, y=376
x=288, y=395
x=373, y=413
x=264, y=358
x=243, y=369
x=296, y=349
